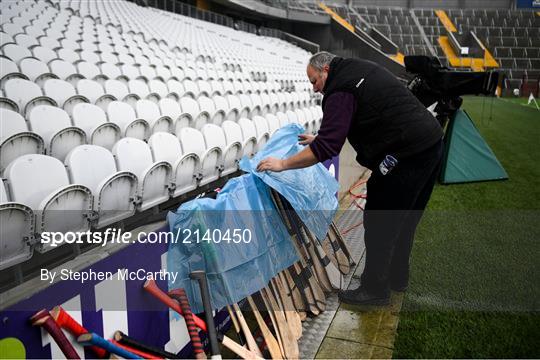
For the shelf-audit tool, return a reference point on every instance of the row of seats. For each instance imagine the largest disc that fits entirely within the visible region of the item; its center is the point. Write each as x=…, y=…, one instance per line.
x=35, y=70
x=20, y=94
x=55, y=131
x=65, y=62
x=101, y=186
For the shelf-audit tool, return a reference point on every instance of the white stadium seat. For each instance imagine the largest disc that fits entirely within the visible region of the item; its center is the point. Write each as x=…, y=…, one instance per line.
x=283, y=118
x=41, y=182
x=193, y=142
x=123, y=115
x=232, y=151
x=273, y=123
x=15, y=52
x=249, y=134
x=26, y=95
x=207, y=105
x=15, y=139
x=190, y=88
x=150, y=112
x=65, y=71
x=140, y=89
x=159, y=88
x=8, y=69
x=185, y=166
x=94, y=92
x=117, y=89
x=235, y=108
x=54, y=126
x=263, y=133
x=154, y=178
x=16, y=232
x=191, y=115
x=204, y=88
x=63, y=93
x=233, y=134
x=293, y=117
x=130, y=72
x=115, y=192
x=247, y=109
x=93, y=121
x=176, y=89
x=36, y=70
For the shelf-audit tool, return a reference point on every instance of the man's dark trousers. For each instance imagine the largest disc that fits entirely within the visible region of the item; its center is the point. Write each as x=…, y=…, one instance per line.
x=395, y=204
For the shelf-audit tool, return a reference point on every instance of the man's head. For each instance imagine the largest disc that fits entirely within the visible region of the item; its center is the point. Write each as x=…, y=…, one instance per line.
x=317, y=69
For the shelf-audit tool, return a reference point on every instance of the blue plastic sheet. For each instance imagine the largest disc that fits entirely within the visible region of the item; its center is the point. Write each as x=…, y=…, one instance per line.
x=234, y=270
x=311, y=191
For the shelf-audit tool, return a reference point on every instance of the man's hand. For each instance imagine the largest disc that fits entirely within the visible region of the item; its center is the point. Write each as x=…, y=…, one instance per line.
x=272, y=164
x=305, y=139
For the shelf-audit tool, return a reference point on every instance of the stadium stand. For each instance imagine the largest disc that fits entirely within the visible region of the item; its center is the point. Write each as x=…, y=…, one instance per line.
x=510, y=35
x=86, y=83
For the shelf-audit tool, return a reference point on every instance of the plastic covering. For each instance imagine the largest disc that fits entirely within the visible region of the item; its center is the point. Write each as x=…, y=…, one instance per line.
x=235, y=267
x=311, y=191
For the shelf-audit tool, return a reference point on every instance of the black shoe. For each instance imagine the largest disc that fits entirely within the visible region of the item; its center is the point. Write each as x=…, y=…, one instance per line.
x=361, y=296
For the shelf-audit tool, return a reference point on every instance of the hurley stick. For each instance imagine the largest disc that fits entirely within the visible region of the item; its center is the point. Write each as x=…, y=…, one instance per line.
x=96, y=340
x=250, y=340
x=65, y=321
x=239, y=334
x=290, y=217
x=273, y=320
x=301, y=282
x=269, y=339
x=126, y=340
x=342, y=243
x=297, y=298
x=331, y=272
x=180, y=296
x=286, y=302
x=302, y=276
x=290, y=345
x=154, y=290
x=343, y=263
x=43, y=319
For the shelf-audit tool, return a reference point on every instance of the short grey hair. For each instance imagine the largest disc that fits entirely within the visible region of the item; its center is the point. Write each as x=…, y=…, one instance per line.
x=320, y=59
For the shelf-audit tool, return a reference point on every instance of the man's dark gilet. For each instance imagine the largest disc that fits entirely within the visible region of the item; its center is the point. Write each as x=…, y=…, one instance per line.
x=389, y=119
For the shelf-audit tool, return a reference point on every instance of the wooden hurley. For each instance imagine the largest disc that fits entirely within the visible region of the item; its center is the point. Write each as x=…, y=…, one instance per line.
x=271, y=342
x=250, y=340
x=290, y=345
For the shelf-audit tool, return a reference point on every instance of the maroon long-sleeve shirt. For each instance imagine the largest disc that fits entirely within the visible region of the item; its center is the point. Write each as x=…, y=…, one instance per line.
x=337, y=117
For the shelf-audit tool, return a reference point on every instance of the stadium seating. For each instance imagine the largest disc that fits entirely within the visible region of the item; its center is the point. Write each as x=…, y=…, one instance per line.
x=85, y=84
x=15, y=139
x=154, y=178
x=114, y=191
x=185, y=166
x=41, y=182
x=16, y=232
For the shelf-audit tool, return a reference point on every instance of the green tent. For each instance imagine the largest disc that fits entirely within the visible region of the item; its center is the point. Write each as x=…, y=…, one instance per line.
x=468, y=157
